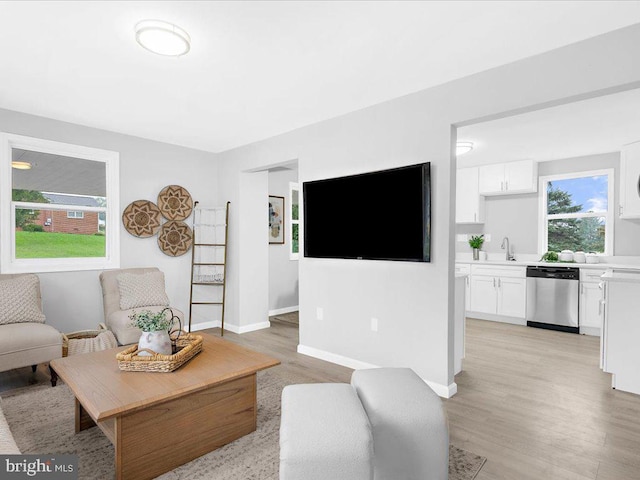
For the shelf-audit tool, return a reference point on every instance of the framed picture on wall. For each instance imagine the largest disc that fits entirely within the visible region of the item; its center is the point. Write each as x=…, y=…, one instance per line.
x=276, y=219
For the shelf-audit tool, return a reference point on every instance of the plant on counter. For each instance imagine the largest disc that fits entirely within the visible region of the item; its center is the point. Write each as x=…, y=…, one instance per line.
x=549, y=257
x=476, y=241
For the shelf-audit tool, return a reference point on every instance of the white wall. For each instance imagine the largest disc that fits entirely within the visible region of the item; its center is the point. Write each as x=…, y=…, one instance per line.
x=73, y=300
x=252, y=254
x=283, y=272
x=516, y=216
x=414, y=302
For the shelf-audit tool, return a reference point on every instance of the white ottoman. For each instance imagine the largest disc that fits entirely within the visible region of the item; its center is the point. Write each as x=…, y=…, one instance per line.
x=408, y=422
x=324, y=434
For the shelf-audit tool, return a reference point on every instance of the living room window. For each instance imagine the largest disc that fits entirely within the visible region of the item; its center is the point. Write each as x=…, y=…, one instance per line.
x=576, y=212
x=58, y=206
x=294, y=220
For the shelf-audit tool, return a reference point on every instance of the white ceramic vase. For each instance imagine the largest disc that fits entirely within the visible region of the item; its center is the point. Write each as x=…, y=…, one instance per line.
x=158, y=341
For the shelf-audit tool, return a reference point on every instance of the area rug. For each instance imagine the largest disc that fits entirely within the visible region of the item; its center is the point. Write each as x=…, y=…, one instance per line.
x=41, y=419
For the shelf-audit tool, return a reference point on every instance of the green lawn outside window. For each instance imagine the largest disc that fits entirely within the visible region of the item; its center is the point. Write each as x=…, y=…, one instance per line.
x=59, y=245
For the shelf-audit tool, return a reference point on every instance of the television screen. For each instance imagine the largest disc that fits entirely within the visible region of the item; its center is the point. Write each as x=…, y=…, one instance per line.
x=383, y=215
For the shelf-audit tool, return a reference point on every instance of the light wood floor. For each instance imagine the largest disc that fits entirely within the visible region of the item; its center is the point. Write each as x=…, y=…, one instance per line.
x=534, y=402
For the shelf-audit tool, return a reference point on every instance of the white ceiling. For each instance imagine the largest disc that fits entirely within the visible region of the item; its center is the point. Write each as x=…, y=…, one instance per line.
x=257, y=69
x=599, y=125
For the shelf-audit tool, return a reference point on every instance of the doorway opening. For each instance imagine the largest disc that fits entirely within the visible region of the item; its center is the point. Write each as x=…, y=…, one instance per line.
x=284, y=233
x=544, y=189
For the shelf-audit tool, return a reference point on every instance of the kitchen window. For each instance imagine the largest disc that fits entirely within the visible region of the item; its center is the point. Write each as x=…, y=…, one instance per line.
x=52, y=197
x=576, y=212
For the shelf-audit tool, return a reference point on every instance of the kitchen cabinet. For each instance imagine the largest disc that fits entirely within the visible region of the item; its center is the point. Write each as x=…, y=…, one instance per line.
x=508, y=178
x=484, y=296
x=590, y=312
x=620, y=354
x=465, y=269
x=469, y=203
x=630, y=181
x=459, y=323
x=499, y=290
x=512, y=296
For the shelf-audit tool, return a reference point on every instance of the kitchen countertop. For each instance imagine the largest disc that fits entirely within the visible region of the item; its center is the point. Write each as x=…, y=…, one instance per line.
x=522, y=263
x=622, y=275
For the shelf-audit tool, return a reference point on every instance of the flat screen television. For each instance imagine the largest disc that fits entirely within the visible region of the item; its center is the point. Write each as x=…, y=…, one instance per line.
x=382, y=215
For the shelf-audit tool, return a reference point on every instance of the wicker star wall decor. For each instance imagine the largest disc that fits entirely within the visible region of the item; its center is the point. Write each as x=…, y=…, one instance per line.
x=175, y=202
x=175, y=238
x=141, y=218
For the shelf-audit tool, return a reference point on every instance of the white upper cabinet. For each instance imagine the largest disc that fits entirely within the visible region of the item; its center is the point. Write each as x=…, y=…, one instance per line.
x=508, y=178
x=630, y=181
x=491, y=178
x=469, y=203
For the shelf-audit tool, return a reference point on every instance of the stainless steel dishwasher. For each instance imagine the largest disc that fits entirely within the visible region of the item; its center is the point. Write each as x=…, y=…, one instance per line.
x=553, y=297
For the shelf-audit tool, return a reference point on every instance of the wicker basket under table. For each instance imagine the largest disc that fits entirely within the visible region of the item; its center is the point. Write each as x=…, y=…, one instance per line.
x=189, y=346
x=80, y=335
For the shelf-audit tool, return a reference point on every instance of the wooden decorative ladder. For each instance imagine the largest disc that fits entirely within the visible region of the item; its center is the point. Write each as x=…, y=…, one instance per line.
x=209, y=255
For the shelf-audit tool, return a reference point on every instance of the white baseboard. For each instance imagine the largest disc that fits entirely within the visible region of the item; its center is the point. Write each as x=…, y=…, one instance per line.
x=204, y=325
x=247, y=328
x=334, y=358
x=445, y=391
x=594, y=331
x=496, y=318
x=280, y=311
x=232, y=328
x=448, y=391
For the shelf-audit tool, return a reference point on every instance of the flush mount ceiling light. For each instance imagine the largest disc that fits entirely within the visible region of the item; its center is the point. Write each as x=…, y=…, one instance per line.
x=463, y=147
x=162, y=38
x=21, y=165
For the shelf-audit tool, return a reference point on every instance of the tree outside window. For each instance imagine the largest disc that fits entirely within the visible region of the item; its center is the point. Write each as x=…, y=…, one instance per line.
x=576, y=210
x=25, y=218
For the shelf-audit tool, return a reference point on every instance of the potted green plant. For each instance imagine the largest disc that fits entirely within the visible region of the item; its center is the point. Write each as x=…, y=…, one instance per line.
x=155, y=328
x=475, y=242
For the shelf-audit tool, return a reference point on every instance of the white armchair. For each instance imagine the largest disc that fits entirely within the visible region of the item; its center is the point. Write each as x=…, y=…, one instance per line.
x=127, y=290
x=25, y=340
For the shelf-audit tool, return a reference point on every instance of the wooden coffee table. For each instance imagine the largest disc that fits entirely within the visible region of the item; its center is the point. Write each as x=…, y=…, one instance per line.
x=158, y=421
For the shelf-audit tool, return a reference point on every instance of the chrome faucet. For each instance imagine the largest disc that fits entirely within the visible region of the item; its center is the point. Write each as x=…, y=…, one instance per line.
x=505, y=244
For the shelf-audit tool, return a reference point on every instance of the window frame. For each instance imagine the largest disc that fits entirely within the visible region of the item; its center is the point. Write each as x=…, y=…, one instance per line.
x=8, y=262
x=75, y=214
x=544, y=217
x=291, y=222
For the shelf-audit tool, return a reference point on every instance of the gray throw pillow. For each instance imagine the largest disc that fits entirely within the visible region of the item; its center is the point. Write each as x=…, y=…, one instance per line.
x=20, y=300
x=141, y=290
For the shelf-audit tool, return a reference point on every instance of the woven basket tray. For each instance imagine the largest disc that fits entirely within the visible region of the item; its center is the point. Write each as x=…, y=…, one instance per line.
x=189, y=346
